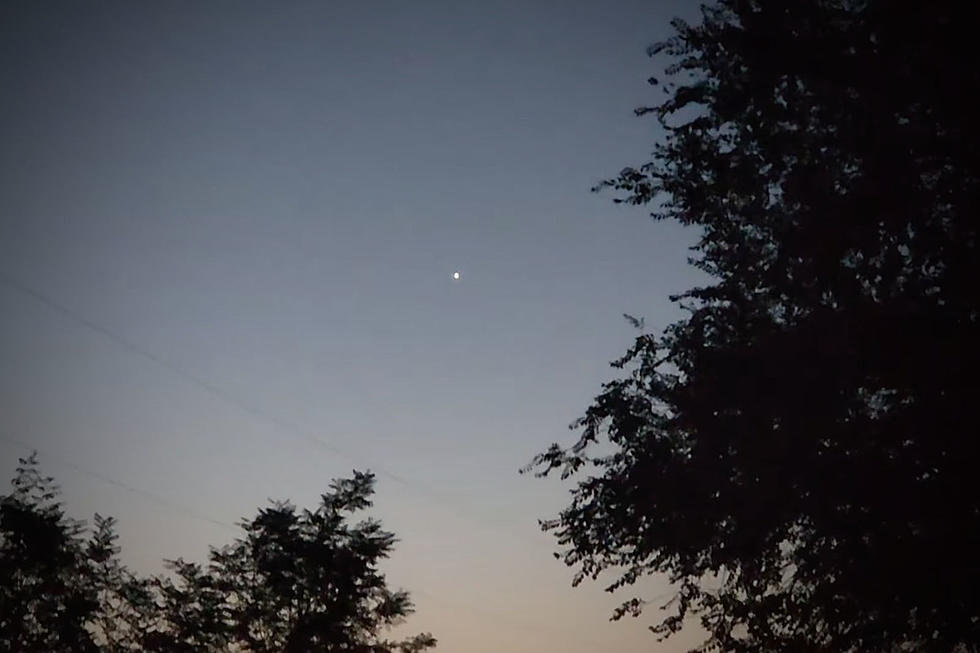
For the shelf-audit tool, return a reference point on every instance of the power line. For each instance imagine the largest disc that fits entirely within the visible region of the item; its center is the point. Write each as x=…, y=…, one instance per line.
x=257, y=413
x=285, y=426
x=204, y=384
x=146, y=494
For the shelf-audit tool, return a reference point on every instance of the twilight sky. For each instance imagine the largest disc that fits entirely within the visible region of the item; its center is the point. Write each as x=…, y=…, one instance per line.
x=227, y=234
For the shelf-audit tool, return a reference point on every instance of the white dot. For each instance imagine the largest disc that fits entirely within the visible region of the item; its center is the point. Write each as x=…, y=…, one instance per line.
x=456, y=276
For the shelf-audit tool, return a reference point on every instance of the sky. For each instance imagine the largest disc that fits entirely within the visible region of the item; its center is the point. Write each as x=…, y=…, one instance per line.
x=227, y=238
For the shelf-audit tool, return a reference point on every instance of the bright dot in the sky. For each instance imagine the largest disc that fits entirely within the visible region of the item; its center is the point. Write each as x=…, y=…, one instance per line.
x=455, y=276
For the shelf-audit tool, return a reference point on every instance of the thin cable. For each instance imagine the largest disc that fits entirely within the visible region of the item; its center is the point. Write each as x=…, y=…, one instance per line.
x=133, y=348
x=257, y=413
x=146, y=494
x=254, y=412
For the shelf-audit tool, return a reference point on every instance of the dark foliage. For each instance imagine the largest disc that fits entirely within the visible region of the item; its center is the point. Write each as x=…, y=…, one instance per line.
x=48, y=594
x=809, y=432
x=296, y=581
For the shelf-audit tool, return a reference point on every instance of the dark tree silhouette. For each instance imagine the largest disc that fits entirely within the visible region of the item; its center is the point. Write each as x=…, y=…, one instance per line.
x=296, y=581
x=808, y=434
x=48, y=595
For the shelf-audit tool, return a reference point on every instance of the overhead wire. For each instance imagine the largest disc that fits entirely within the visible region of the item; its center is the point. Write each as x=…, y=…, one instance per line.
x=145, y=494
x=216, y=391
x=256, y=413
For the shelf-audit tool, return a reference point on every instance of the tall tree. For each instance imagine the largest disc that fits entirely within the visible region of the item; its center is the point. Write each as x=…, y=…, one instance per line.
x=808, y=433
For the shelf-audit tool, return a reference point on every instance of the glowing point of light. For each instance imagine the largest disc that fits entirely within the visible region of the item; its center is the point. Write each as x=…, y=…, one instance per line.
x=455, y=276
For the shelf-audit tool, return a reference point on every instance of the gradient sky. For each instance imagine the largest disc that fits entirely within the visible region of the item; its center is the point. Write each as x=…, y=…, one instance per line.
x=227, y=231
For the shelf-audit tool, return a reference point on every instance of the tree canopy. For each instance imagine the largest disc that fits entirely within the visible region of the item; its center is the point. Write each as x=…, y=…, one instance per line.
x=808, y=433
x=294, y=581
x=47, y=587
